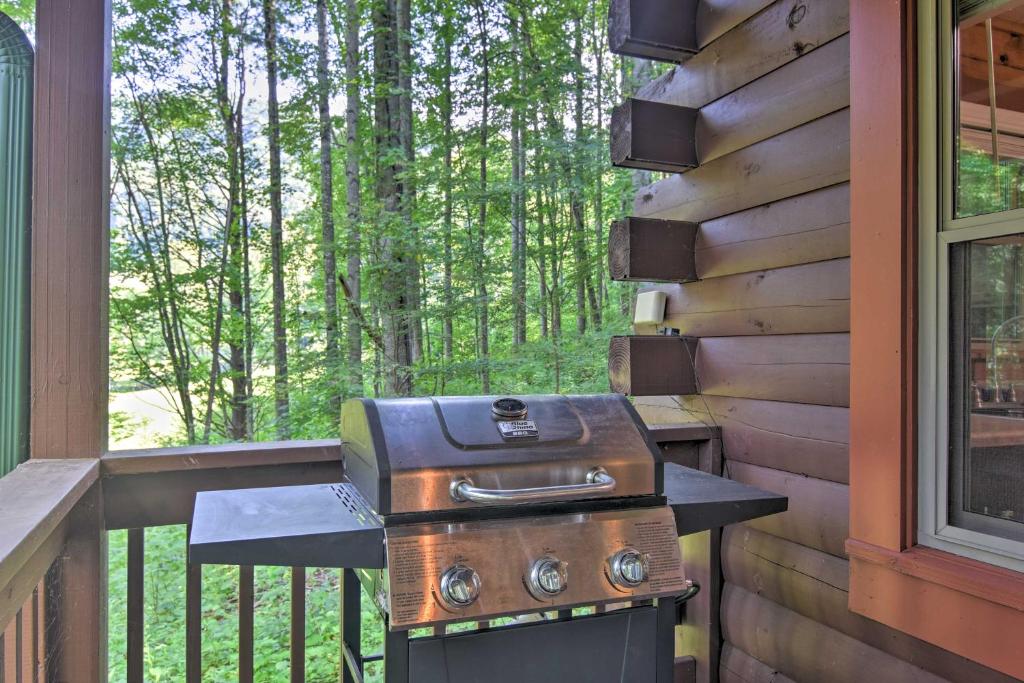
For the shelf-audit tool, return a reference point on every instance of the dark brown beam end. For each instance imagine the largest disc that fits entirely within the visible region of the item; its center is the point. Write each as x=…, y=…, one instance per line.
x=652, y=250
x=652, y=365
x=665, y=30
x=654, y=136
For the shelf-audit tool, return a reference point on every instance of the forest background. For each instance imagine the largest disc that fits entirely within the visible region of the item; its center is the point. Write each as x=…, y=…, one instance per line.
x=319, y=199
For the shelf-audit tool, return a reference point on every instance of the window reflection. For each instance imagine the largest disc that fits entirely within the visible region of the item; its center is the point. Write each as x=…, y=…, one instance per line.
x=990, y=134
x=987, y=474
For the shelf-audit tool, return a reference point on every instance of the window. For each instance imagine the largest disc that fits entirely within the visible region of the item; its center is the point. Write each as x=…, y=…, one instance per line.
x=971, y=495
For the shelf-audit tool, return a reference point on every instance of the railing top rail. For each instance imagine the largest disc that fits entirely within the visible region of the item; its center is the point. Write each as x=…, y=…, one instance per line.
x=35, y=500
x=222, y=456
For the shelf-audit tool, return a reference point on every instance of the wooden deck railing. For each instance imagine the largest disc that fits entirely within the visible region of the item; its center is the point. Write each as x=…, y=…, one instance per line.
x=52, y=551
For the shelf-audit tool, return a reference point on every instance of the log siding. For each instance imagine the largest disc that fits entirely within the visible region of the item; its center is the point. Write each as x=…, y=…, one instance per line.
x=770, y=312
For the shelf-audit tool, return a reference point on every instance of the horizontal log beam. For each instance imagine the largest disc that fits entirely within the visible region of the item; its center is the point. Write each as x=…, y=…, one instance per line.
x=805, y=299
x=781, y=33
x=804, y=649
x=739, y=667
x=717, y=17
x=818, y=514
x=806, y=89
x=799, y=368
x=812, y=156
x=651, y=365
x=652, y=250
x=665, y=30
x=807, y=228
x=816, y=585
x=803, y=439
x=653, y=136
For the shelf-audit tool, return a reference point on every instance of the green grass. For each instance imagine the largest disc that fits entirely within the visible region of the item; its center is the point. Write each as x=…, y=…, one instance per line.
x=164, y=612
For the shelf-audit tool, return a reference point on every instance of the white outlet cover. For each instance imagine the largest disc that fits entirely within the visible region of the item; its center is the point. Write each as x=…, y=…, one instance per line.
x=650, y=308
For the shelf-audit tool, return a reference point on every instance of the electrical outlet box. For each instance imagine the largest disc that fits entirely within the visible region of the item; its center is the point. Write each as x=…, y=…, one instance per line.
x=650, y=308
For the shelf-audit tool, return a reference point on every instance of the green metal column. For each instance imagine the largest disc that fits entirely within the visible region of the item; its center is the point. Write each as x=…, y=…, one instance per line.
x=15, y=203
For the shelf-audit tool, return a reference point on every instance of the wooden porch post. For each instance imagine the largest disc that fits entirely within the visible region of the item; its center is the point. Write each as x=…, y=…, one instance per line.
x=69, y=306
x=69, y=230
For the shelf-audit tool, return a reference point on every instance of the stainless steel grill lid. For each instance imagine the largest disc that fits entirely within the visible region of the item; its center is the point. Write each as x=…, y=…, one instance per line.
x=423, y=455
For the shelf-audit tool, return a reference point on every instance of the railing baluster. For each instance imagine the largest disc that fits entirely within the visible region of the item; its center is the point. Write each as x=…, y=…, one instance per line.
x=193, y=617
x=19, y=646
x=298, y=639
x=136, y=601
x=26, y=618
x=246, y=607
x=37, y=621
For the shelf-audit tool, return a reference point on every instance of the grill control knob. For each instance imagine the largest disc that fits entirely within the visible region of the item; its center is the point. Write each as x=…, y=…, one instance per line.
x=460, y=586
x=630, y=567
x=548, y=577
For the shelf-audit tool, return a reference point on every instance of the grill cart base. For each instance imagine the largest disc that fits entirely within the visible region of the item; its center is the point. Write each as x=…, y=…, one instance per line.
x=632, y=644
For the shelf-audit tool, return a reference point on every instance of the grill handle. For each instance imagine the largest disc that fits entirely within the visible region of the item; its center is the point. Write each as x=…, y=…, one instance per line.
x=598, y=481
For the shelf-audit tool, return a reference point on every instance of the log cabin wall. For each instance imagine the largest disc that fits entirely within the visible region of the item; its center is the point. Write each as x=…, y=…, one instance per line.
x=766, y=299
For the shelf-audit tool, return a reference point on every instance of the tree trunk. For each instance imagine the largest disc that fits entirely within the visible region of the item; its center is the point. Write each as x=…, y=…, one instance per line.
x=323, y=87
x=407, y=186
x=394, y=285
x=446, y=293
x=250, y=423
x=481, y=253
x=352, y=197
x=236, y=343
x=518, y=205
x=584, y=280
x=599, y=246
x=276, y=226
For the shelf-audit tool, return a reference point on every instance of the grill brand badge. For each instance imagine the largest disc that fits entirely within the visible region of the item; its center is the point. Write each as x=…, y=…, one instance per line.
x=517, y=429
x=511, y=414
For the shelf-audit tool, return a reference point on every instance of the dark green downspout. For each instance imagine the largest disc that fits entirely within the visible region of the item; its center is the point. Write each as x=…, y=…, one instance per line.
x=15, y=203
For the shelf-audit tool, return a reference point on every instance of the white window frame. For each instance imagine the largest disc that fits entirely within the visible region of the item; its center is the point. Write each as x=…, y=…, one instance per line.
x=938, y=229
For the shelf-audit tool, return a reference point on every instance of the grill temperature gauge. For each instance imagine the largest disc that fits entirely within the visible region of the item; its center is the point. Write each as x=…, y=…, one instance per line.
x=460, y=586
x=629, y=567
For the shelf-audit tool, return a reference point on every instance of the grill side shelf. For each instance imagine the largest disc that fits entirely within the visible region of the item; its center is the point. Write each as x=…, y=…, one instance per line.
x=703, y=501
x=325, y=525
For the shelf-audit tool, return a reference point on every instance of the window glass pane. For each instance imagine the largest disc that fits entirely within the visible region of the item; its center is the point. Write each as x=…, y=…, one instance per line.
x=987, y=415
x=990, y=125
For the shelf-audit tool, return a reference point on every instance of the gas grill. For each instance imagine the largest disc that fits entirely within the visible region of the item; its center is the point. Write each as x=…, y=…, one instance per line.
x=540, y=522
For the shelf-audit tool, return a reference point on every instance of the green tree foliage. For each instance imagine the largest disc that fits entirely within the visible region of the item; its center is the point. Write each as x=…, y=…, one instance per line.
x=480, y=187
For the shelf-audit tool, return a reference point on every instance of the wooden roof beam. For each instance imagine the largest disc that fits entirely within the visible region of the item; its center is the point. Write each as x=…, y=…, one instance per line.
x=665, y=30
x=652, y=250
x=654, y=136
x=652, y=365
